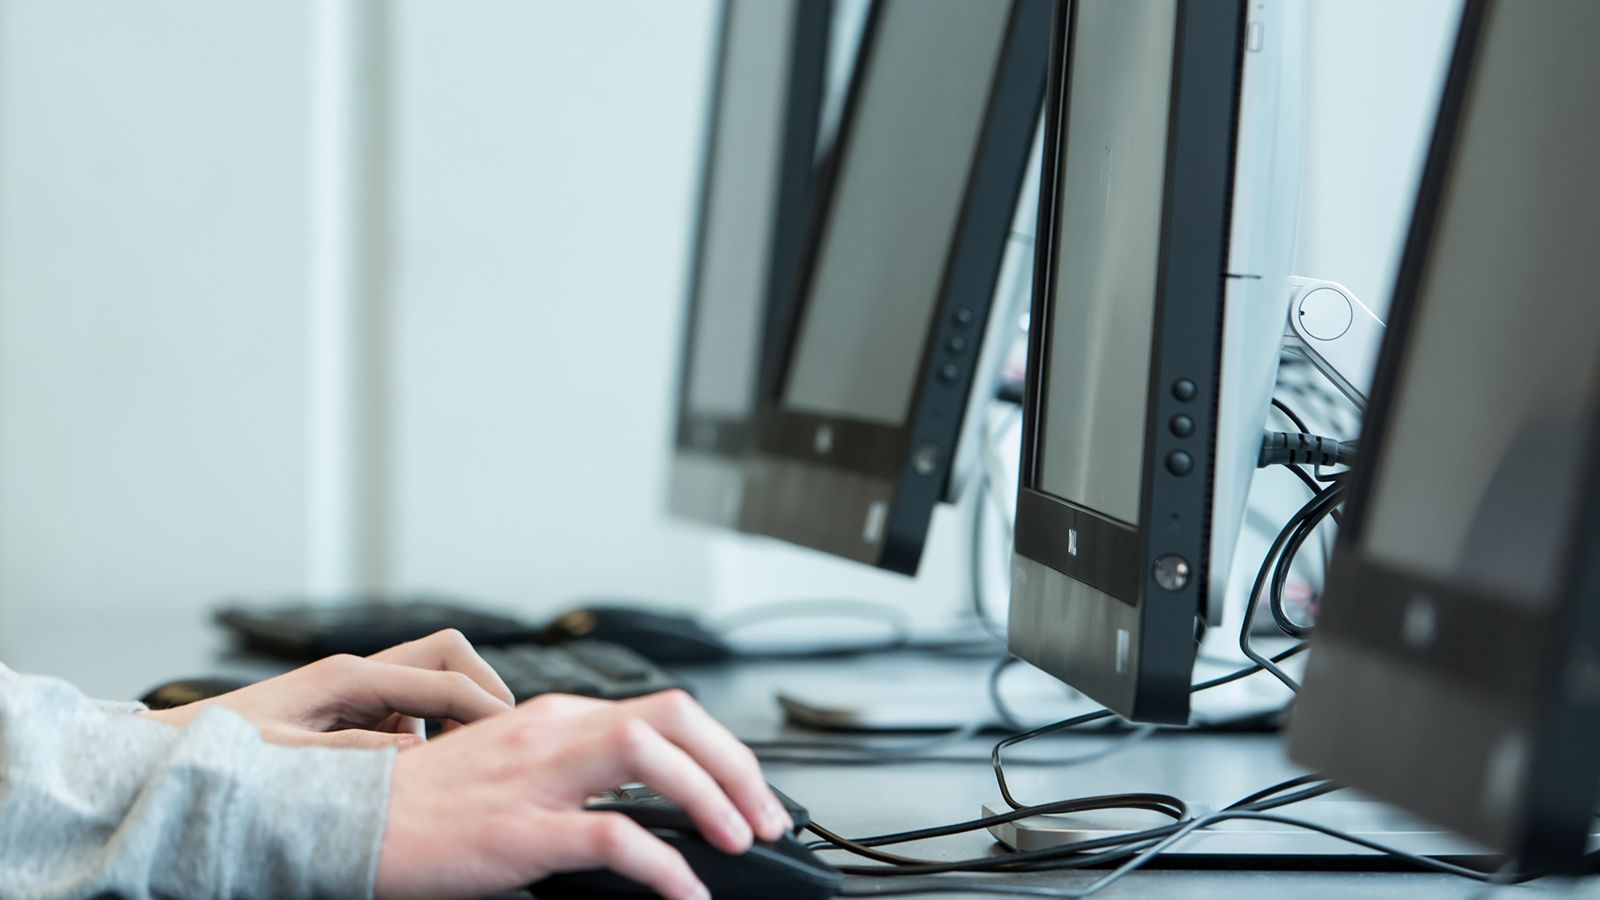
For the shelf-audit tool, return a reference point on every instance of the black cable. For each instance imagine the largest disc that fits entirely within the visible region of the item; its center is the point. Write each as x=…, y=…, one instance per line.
x=1075, y=855
x=1305, y=479
x=1329, y=495
x=1267, y=798
x=1290, y=414
x=1285, y=561
x=1300, y=423
x=1068, y=856
x=1164, y=804
x=1301, y=448
x=1278, y=788
x=995, y=755
x=1148, y=850
x=1312, y=483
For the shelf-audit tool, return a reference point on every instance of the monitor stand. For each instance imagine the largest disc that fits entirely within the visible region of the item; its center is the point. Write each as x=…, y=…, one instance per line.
x=1241, y=842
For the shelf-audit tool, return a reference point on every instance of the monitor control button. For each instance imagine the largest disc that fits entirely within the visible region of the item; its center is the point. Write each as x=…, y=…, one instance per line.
x=1184, y=390
x=925, y=461
x=1180, y=463
x=963, y=317
x=1182, y=426
x=956, y=344
x=949, y=372
x=1171, y=572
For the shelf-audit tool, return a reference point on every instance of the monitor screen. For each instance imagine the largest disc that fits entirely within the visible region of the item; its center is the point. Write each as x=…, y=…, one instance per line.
x=876, y=275
x=1126, y=363
x=741, y=206
x=1111, y=192
x=888, y=344
x=1453, y=669
x=1478, y=475
x=767, y=93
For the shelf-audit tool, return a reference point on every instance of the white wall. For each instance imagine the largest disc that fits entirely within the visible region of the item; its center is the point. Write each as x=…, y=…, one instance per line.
x=151, y=268
x=547, y=158
x=1376, y=69
x=153, y=302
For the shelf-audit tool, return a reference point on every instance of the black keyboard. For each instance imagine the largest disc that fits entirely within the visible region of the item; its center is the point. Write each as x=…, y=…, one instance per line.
x=308, y=632
x=638, y=794
x=585, y=668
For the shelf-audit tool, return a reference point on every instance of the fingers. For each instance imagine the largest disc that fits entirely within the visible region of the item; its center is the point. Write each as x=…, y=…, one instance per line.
x=631, y=750
x=349, y=738
x=400, y=724
x=683, y=722
x=449, y=651
x=372, y=691
x=590, y=840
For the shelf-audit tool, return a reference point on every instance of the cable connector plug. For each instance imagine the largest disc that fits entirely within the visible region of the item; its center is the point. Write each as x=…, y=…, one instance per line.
x=1294, y=448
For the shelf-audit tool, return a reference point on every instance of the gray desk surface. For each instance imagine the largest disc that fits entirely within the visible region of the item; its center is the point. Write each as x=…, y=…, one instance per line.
x=120, y=657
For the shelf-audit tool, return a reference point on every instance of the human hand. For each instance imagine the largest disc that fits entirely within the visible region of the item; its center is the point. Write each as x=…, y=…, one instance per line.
x=376, y=701
x=498, y=804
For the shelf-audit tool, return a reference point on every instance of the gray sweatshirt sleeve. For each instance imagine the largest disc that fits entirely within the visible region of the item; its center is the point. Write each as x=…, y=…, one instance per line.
x=95, y=801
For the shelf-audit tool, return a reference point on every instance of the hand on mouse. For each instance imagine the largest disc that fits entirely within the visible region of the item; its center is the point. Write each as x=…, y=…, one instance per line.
x=377, y=701
x=498, y=804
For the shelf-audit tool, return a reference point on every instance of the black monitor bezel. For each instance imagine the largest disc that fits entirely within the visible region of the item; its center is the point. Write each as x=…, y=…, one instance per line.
x=862, y=450
x=732, y=438
x=1209, y=59
x=1482, y=648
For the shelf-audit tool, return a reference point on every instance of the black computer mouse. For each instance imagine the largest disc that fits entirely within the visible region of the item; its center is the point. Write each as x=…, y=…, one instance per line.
x=188, y=690
x=661, y=637
x=782, y=870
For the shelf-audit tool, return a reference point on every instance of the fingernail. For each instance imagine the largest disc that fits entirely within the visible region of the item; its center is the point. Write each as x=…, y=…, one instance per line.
x=737, y=828
x=777, y=817
x=699, y=892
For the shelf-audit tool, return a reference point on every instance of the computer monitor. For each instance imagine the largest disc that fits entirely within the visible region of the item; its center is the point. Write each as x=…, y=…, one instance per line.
x=1167, y=215
x=862, y=419
x=1455, y=665
x=767, y=97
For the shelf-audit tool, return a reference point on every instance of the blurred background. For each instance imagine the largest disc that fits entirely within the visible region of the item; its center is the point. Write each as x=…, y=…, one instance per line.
x=308, y=299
